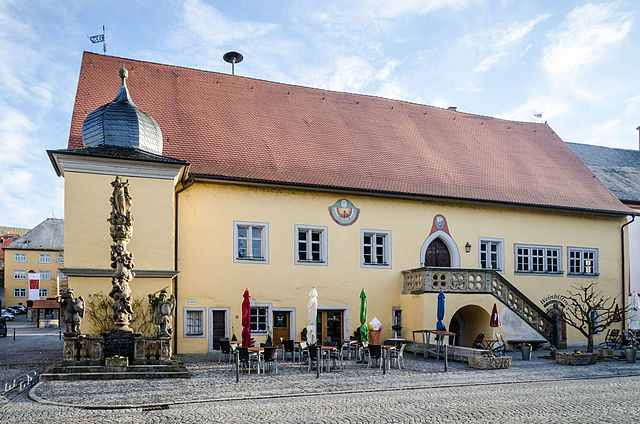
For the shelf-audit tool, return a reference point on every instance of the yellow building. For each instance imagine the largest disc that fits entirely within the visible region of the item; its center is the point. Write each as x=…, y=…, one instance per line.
x=240, y=183
x=41, y=250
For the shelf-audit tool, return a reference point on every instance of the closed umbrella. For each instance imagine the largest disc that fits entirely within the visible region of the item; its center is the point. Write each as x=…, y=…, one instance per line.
x=495, y=320
x=246, y=319
x=440, y=325
x=364, y=331
x=313, y=316
x=634, y=314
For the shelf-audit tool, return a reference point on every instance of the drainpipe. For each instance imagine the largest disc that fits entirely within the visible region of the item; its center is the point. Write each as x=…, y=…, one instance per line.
x=185, y=186
x=624, y=318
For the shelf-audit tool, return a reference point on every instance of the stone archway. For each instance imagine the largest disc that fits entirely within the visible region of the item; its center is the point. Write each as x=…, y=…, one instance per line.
x=448, y=241
x=469, y=321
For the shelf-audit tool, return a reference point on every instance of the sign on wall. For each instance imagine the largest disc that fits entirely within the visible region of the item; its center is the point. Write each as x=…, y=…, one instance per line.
x=344, y=212
x=34, y=285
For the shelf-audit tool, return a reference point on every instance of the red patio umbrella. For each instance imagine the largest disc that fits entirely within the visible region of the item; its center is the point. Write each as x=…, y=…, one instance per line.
x=246, y=319
x=495, y=320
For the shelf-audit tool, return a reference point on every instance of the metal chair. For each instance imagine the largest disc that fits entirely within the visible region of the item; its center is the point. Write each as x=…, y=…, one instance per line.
x=270, y=356
x=477, y=343
x=500, y=346
x=288, y=347
x=302, y=349
x=246, y=358
x=225, y=349
x=375, y=352
x=313, y=356
x=397, y=356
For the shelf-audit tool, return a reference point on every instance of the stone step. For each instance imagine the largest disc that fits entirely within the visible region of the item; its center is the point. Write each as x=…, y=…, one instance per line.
x=75, y=369
x=113, y=375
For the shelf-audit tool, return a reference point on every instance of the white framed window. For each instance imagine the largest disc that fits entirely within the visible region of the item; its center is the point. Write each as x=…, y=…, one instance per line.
x=45, y=275
x=19, y=274
x=375, y=249
x=311, y=245
x=60, y=258
x=44, y=258
x=535, y=259
x=44, y=293
x=19, y=257
x=582, y=261
x=61, y=276
x=194, y=322
x=251, y=242
x=491, y=254
x=19, y=292
x=259, y=319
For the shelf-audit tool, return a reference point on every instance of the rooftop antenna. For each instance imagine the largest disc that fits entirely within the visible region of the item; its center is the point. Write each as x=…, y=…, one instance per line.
x=232, y=58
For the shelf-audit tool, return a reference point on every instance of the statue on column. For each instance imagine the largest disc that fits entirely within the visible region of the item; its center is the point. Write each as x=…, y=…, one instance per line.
x=72, y=309
x=121, y=260
x=162, y=308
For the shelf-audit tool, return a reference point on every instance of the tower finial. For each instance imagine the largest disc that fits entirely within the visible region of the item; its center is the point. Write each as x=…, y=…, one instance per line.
x=124, y=74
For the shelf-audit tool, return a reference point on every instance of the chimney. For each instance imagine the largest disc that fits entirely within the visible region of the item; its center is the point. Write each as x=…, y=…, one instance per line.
x=454, y=108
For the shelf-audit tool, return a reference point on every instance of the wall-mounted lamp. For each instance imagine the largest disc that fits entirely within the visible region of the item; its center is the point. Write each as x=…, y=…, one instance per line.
x=467, y=247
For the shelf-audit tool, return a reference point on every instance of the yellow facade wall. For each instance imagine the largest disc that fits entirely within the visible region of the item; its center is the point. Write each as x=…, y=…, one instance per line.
x=210, y=278
x=32, y=263
x=87, y=239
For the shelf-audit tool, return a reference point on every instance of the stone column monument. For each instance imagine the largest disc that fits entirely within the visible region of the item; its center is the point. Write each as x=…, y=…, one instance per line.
x=121, y=260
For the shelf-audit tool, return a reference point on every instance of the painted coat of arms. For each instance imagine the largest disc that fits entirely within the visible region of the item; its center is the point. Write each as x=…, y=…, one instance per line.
x=344, y=212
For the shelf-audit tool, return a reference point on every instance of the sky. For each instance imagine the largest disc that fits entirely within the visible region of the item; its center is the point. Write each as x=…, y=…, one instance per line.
x=575, y=62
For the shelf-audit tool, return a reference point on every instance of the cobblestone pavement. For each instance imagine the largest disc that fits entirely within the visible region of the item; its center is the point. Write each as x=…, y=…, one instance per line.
x=530, y=391
x=34, y=349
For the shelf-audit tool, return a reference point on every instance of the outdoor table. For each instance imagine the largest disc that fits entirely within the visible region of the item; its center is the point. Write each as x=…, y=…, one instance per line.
x=328, y=350
x=440, y=335
x=349, y=343
x=259, y=351
x=386, y=349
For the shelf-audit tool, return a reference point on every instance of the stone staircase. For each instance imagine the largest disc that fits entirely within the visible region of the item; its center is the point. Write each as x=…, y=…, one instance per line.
x=175, y=369
x=478, y=281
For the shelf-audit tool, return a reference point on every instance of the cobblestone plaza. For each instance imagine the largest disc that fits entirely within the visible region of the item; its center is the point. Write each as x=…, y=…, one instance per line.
x=530, y=391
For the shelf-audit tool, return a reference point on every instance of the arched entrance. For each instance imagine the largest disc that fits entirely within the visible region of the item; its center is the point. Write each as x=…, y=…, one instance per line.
x=468, y=322
x=551, y=312
x=439, y=250
x=437, y=254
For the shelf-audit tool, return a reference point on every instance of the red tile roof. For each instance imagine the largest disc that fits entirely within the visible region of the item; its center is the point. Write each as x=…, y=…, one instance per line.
x=242, y=128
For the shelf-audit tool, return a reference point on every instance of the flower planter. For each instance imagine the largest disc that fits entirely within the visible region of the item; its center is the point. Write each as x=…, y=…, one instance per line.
x=116, y=362
x=571, y=358
x=630, y=355
x=490, y=363
x=605, y=353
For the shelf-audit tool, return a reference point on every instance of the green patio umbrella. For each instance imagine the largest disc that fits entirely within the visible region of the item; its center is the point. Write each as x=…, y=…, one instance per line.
x=364, y=331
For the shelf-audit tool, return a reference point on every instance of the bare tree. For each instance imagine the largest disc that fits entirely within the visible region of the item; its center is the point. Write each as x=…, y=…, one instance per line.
x=589, y=311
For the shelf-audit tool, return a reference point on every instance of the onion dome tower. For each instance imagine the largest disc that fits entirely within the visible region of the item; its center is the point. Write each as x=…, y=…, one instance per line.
x=121, y=124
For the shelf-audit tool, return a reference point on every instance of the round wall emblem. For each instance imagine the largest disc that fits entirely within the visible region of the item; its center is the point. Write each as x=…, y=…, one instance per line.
x=439, y=222
x=344, y=212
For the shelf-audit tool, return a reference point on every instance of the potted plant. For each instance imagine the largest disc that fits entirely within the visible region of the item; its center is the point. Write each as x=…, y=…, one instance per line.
x=630, y=354
x=526, y=351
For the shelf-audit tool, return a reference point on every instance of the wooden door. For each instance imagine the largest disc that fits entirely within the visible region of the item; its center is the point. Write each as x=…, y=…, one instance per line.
x=280, y=327
x=437, y=254
x=218, y=324
x=330, y=324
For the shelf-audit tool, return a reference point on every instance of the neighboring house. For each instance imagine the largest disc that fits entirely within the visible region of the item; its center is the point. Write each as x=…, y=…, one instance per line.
x=619, y=170
x=8, y=235
x=40, y=250
x=241, y=183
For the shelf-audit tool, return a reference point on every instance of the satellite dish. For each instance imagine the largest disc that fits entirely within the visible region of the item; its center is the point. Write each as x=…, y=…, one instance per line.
x=232, y=58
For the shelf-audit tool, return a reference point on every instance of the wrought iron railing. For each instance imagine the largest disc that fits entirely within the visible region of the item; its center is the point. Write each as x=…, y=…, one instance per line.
x=461, y=280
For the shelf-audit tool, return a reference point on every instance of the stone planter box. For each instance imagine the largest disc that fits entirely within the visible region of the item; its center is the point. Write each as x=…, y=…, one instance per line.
x=570, y=358
x=116, y=362
x=604, y=353
x=490, y=363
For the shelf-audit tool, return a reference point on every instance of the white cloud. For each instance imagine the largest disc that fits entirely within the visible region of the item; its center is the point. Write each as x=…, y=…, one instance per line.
x=399, y=8
x=550, y=107
x=584, y=37
x=497, y=43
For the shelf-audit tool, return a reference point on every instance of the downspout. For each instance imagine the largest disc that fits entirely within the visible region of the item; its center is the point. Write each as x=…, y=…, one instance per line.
x=185, y=186
x=624, y=318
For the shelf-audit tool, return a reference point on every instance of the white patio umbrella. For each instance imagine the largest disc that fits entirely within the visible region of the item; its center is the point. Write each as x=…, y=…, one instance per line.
x=313, y=316
x=634, y=311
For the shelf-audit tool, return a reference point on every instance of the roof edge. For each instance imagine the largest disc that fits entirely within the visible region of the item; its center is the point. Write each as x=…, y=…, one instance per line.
x=318, y=187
